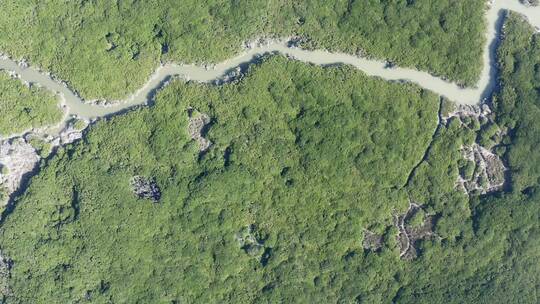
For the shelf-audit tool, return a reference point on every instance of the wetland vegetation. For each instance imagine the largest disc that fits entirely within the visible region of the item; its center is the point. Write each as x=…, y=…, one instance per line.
x=304, y=155
x=293, y=183
x=24, y=107
x=107, y=49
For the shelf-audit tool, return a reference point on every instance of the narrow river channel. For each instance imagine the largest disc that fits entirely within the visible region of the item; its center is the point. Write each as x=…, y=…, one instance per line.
x=494, y=16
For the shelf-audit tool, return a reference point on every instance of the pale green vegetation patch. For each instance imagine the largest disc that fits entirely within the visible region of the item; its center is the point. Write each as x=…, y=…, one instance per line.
x=23, y=107
x=107, y=49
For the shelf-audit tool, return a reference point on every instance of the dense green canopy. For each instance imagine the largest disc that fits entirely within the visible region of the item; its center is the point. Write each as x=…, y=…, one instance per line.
x=24, y=107
x=308, y=155
x=303, y=161
x=107, y=49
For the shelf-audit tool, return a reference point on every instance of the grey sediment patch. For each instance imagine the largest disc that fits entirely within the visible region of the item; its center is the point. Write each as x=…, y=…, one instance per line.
x=17, y=159
x=372, y=241
x=5, y=275
x=145, y=188
x=409, y=234
x=25, y=178
x=27, y=166
x=198, y=124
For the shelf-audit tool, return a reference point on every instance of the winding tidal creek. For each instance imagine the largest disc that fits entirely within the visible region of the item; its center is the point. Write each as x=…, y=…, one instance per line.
x=75, y=105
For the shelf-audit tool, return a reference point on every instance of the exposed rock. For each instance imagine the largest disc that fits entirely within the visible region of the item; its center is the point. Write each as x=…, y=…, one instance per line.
x=389, y=64
x=295, y=42
x=5, y=275
x=64, y=134
x=145, y=188
x=372, y=241
x=253, y=246
x=476, y=117
x=481, y=113
x=65, y=137
x=409, y=234
x=20, y=155
x=484, y=171
x=488, y=174
x=248, y=242
x=262, y=41
x=530, y=2
x=17, y=158
x=23, y=63
x=196, y=129
x=232, y=75
x=72, y=132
